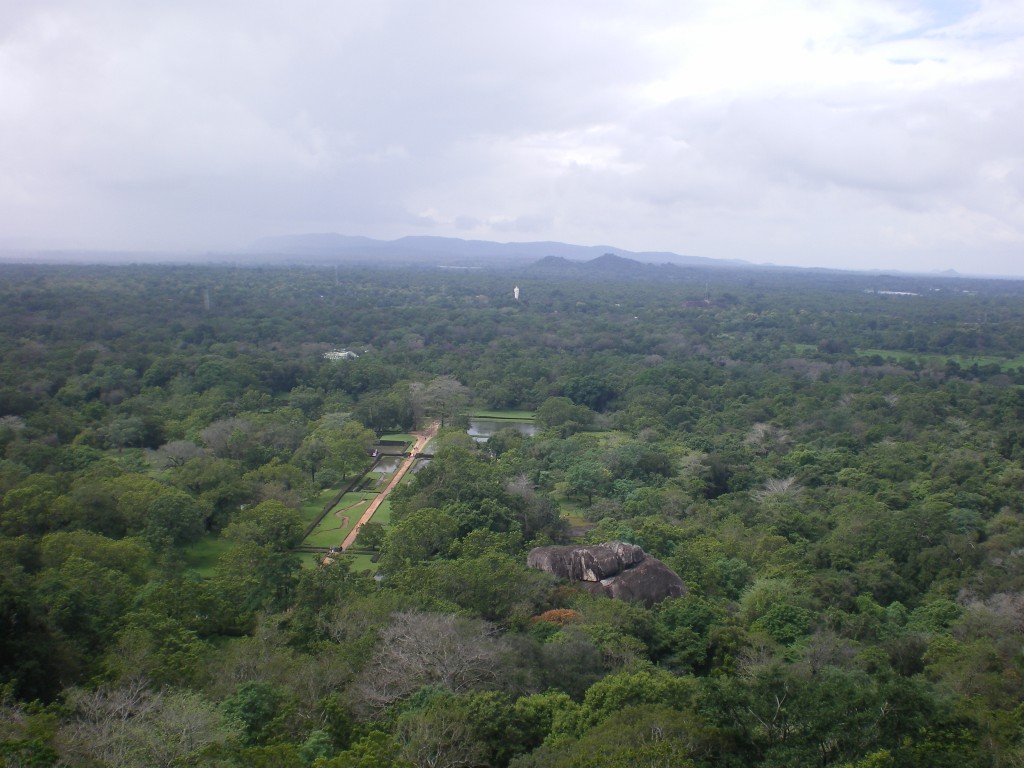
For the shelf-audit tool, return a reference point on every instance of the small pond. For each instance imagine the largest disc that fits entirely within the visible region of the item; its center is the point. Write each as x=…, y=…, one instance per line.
x=481, y=429
x=387, y=464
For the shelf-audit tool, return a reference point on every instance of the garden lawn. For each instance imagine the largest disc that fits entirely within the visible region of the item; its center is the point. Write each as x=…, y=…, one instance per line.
x=202, y=556
x=362, y=562
x=311, y=509
x=499, y=415
x=333, y=529
x=383, y=513
x=309, y=561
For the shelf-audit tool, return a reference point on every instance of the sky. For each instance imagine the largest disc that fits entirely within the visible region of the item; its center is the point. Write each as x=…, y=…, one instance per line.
x=830, y=133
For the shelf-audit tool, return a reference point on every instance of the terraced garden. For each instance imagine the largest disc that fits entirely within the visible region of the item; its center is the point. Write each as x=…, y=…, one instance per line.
x=339, y=521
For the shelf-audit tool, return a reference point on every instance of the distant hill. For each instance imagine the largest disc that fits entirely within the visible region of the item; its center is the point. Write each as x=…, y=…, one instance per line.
x=454, y=251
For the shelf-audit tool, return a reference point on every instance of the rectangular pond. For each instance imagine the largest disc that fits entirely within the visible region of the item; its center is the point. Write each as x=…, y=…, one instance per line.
x=386, y=465
x=481, y=429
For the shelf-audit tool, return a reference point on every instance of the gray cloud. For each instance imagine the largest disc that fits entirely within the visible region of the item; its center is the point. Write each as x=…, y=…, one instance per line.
x=846, y=133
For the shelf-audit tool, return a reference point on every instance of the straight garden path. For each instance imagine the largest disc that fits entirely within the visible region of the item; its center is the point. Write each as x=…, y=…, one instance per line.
x=422, y=438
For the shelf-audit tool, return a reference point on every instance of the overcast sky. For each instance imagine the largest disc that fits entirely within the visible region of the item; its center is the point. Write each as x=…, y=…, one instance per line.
x=851, y=133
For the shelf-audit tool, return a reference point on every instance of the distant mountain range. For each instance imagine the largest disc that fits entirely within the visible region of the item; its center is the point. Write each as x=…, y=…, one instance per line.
x=453, y=251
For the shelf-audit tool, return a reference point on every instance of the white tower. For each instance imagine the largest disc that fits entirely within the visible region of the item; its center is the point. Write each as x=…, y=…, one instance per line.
x=515, y=293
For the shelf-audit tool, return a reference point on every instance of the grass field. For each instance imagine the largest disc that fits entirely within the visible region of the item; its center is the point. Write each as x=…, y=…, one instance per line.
x=335, y=527
x=399, y=438
x=312, y=508
x=383, y=513
x=499, y=415
x=202, y=556
x=361, y=563
x=573, y=514
x=568, y=507
x=309, y=561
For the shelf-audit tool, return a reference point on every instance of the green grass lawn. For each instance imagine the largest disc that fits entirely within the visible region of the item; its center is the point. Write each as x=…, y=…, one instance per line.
x=568, y=507
x=330, y=533
x=311, y=509
x=572, y=513
x=499, y=415
x=334, y=528
x=361, y=563
x=383, y=513
x=571, y=510
x=309, y=561
x=577, y=520
x=400, y=438
x=202, y=556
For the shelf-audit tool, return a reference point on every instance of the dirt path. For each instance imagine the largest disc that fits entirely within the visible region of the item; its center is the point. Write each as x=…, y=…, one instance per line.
x=422, y=438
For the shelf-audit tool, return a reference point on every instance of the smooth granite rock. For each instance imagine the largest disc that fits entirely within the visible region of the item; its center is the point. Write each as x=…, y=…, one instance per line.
x=615, y=568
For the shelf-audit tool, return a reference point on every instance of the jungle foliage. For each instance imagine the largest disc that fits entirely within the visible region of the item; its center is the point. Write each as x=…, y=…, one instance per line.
x=832, y=463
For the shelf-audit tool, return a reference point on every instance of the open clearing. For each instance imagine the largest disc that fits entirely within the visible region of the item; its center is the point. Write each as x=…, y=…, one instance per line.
x=500, y=415
x=311, y=509
x=338, y=522
x=202, y=556
x=422, y=439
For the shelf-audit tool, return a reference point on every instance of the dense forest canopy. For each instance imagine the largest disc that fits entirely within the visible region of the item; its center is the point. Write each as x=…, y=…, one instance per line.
x=832, y=463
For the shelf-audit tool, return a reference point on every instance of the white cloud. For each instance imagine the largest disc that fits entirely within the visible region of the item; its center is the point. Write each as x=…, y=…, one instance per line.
x=838, y=132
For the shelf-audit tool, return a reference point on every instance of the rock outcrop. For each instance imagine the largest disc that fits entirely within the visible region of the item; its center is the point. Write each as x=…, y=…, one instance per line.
x=615, y=568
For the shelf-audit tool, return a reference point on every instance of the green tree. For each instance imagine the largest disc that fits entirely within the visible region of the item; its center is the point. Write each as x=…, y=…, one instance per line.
x=250, y=577
x=417, y=537
x=29, y=657
x=371, y=535
x=561, y=414
x=28, y=509
x=268, y=524
x=647, y=735
x=445, y=398
x=86, y=603
x=260, y=709
x=440, y=733
x=376, y=749
x=587, y=478
x=337, y=446
x=174, y=519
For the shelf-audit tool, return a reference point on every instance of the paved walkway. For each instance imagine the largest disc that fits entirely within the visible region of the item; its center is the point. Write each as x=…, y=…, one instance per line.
x=422, y=438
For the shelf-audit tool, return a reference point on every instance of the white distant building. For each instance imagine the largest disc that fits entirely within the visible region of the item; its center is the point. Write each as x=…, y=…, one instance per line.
x=515, y=293
x=340, y=354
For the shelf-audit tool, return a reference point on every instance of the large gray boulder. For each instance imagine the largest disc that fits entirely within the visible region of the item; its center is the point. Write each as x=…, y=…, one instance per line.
x=615, y=568
x=590, y=563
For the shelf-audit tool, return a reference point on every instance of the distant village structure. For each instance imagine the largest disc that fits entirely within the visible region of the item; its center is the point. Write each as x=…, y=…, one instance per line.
x=705, y=302
x=341, y=354
x=515, y=293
